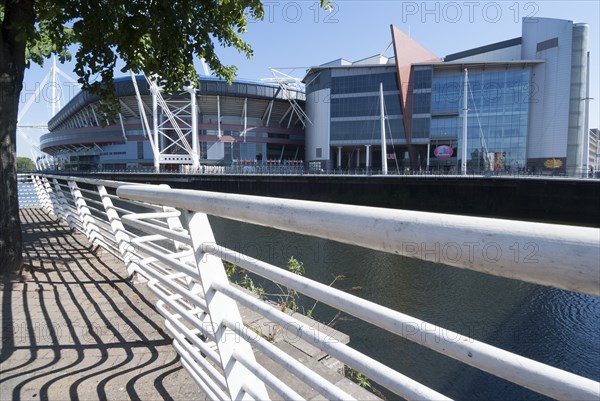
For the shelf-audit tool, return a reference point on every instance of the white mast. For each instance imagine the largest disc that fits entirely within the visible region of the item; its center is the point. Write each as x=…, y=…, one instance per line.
x=195, y=145
x=53, y=88
x=384, y=167
x=463, y=164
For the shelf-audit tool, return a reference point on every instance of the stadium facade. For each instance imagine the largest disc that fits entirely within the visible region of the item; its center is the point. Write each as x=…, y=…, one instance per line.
x=527, y=106
x=242, y=122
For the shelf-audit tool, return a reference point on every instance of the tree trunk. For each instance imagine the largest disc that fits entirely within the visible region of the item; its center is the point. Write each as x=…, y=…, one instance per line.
x=18, y=20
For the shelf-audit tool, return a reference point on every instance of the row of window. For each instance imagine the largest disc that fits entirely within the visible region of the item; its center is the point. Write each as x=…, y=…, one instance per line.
x=422, y=78
x=366, y=129
x=364, y=83
x=489, y=91
x=250, y=151
x=253, y=134
x=365, y=106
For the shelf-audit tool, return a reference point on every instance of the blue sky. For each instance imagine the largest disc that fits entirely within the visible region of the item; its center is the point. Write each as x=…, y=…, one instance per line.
x=299, y=34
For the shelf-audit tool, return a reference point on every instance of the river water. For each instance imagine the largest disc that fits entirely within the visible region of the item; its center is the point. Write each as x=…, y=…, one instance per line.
x=552, y=326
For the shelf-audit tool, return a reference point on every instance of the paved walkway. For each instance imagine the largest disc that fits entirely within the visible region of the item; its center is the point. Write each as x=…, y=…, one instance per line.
x=73, y=327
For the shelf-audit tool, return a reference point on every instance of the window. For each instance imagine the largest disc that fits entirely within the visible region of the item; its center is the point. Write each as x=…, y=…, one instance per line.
x=366, y=129
x=364, y=106
x=420, y=128
x=319, y=152
x=140, y=150
x=421, y=103
x=422, y=79
x=547, y=44
x=364, y=83
x=445, y=127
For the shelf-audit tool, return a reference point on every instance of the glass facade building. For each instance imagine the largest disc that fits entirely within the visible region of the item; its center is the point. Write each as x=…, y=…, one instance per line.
x=355, y=107
x=497, y=122
x=524, y=101
x=350, y=95
x=498, y=104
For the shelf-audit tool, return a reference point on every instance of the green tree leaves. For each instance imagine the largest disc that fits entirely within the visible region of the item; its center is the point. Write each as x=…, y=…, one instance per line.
x=158, y=37
x=25, y=164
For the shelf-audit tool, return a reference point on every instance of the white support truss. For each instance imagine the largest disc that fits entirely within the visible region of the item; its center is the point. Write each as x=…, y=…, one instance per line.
x=288, y=85
x=174, y=132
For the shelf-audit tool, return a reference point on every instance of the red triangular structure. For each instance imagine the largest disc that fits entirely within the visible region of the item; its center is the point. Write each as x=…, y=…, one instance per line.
x=407, y=52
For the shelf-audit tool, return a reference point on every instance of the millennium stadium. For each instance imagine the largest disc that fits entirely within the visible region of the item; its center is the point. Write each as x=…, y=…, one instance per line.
x=246, y=122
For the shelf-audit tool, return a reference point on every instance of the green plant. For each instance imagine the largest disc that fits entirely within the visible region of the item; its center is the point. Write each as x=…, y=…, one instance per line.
x=289, y=299
x=357, y=377
x=25, y=164
x=230, y=269
x=247, y=283
x=295, y=266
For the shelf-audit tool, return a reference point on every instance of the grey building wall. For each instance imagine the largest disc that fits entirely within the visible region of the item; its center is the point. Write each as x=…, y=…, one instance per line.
x=506, y=54
x=317, y=136
x=576, y=135
x=317, y=133
x=549, y=40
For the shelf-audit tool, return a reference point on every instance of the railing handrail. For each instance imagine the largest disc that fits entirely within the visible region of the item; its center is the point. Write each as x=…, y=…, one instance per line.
x=561, y=256
x=90, y=181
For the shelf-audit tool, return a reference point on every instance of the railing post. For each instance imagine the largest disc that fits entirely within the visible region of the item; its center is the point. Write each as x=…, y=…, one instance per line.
x=239, y=379
x=63, y=206
x=173, y=222
x=43, y=196
x=52, y=196
x=91, y=229
x=121, y=236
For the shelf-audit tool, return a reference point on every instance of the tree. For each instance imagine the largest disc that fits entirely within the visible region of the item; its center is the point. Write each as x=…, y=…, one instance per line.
x=158, y=37
x=25, y=164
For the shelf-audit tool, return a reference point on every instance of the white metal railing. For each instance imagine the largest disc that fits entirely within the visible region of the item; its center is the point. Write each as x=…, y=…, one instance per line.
x=163, y=235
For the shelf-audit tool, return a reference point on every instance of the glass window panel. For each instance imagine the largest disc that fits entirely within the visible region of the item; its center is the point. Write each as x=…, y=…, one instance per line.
x=498, y=110
x=420, y=128
x=365, y=129
x=421, y=103
x=422, y=79
x=364, y=83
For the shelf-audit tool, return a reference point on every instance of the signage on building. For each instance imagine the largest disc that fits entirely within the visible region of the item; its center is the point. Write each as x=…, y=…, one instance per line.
x=443, y=152
x=553, y=163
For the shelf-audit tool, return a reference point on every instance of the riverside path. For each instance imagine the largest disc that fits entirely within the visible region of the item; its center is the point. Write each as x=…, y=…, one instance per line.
x=75, y=327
